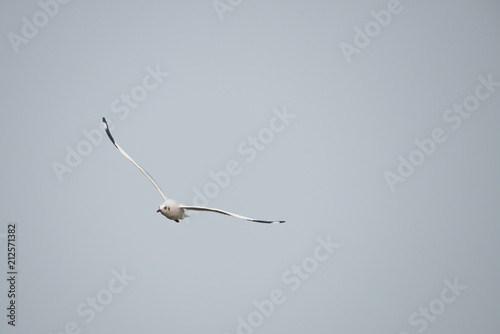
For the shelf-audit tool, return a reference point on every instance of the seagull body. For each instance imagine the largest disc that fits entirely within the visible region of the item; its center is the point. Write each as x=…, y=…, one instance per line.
x=171, y=208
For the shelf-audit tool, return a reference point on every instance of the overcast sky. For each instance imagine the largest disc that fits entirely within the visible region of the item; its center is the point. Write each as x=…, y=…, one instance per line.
x=371, y=127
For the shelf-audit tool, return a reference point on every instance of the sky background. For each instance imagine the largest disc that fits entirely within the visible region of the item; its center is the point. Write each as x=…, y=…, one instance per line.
x=232, y=67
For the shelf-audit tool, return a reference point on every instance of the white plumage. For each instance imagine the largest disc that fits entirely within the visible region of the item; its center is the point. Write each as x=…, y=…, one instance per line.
x=170, y=208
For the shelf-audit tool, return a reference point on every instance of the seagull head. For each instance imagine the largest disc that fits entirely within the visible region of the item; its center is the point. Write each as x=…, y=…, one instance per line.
x=163, y=209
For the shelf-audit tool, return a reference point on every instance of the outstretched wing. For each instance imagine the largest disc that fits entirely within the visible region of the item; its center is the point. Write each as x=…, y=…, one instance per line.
x=106, y=128
x=201, y=208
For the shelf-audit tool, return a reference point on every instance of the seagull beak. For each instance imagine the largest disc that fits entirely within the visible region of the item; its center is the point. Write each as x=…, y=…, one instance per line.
x=158, y=210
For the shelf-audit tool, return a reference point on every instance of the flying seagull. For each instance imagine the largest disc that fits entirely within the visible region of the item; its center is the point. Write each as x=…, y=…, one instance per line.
x=170, y=208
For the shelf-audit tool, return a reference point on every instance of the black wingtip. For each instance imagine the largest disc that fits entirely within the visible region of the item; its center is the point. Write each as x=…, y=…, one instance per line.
x=268, y=221
x=106, y=128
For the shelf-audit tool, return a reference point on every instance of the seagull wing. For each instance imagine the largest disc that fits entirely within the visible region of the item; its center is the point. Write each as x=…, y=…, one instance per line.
x=106, y=127
x=201, y=208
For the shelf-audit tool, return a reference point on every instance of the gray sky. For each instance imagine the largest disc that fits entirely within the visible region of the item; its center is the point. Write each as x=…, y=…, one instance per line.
x=371, y=127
